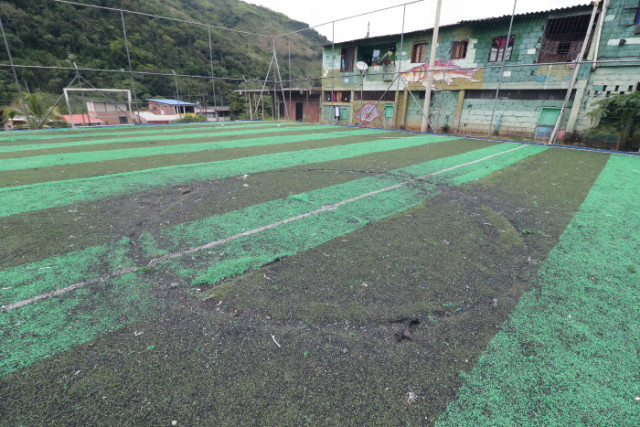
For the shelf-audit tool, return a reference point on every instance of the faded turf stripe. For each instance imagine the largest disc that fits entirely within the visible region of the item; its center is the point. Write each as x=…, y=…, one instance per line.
x=149, y=138
x=569, y=352
x=180, y=240
x=16, y=136
x=48, y=318
x=96, y=156
x=28, y=198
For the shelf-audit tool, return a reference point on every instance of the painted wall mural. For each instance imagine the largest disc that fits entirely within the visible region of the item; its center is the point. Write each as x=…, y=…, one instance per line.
x=446, y=73
x=368, y=113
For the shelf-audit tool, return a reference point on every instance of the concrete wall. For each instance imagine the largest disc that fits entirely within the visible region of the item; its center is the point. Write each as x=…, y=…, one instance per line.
x=310, y=107
x=517, y=117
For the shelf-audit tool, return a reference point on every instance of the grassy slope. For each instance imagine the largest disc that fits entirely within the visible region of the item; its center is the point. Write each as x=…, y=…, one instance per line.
x=46, y=33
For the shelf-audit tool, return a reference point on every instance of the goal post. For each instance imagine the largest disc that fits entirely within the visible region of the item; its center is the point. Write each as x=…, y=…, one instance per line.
x=110, y=107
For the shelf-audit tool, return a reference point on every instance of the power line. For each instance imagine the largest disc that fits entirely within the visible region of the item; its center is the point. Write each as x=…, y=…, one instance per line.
x=151, y=15
x=310, y=27
x=149, y=73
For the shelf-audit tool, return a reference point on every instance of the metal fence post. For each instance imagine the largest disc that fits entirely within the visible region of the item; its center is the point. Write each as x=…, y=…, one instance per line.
x=15, y=75
x=213, y=81
x=126, y=46
x=504, y=54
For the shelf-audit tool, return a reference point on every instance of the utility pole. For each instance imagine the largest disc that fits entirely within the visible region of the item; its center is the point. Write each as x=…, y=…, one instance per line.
x=432, y=61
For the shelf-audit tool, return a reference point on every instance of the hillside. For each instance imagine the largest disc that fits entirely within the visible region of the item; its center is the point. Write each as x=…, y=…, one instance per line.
x=43, y=32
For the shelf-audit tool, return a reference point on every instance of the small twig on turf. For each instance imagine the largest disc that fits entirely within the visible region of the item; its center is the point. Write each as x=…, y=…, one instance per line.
x=274, y=340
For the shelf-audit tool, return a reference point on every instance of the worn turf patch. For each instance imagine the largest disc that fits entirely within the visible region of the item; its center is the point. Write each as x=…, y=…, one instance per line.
x=33, y=279
x=40, y=161
x=569, y=352
x=27, y=198
x=19, y=151
x=74, y=134
x=236, y=360
x=251, y=252
x=44, y=233
x=109, y=167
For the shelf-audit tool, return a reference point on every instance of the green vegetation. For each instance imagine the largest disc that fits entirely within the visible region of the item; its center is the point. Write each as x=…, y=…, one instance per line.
x=620, y=115
x=37, y=107
x=192, y=119
x=42, y=32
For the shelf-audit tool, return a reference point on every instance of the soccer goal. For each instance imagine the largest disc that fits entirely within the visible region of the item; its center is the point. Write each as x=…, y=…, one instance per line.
x=99, y=107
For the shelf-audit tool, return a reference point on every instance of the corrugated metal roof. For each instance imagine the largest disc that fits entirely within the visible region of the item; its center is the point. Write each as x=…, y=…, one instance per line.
x=173, y=102
x=471, y=21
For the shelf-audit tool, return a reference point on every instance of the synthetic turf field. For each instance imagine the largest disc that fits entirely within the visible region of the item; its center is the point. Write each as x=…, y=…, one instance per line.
x=261, y=273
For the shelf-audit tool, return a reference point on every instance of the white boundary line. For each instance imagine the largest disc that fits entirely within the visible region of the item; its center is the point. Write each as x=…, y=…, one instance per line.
x=325, y=208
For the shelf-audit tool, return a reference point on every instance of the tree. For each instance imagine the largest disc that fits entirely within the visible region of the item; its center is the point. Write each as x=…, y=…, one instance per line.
x=620, y=115
x=38, y=105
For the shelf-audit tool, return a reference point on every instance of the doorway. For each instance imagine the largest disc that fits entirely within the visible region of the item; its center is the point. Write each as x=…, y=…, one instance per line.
x=299, y=111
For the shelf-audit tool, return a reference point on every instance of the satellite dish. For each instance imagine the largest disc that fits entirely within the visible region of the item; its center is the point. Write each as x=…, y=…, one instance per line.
x=362, y=66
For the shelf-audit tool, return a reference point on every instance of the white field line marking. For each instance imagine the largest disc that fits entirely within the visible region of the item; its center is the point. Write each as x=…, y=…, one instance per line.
x=400, y=137
x=179, y=254
x=635, y=171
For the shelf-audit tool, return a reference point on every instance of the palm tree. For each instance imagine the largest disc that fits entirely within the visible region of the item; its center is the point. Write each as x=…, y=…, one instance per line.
x=37, y=107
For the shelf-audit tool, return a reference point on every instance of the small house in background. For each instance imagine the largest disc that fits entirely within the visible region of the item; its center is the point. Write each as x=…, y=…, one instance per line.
x=214, y=114
x=109, y=112
x=171, y=107
x=83, y=120
x=301, y=104
x=14, y=122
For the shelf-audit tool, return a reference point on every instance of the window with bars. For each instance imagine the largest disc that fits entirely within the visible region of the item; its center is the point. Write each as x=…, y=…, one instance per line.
x=500, y=49
x=563, y=39
x=419, y=52
x=459, y=49
x=347, y=56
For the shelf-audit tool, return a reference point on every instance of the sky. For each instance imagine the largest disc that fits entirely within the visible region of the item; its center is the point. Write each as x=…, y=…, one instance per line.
x=418, y=16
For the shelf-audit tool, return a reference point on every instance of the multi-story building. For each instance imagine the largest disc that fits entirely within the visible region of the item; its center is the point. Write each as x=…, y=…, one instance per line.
x=533, y=68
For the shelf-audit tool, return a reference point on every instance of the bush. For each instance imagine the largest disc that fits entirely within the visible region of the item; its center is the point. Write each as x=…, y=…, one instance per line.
x=192, y=119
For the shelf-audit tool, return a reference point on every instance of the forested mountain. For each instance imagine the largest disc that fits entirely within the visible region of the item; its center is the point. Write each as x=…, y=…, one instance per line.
x=48, y=33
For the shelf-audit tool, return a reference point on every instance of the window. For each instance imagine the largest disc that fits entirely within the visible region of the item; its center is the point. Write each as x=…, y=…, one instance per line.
x=123, y=120
x=564, y=48
x=498, y=50
x=388, y=111
x=459, y=49
x=346, y=59
x=563, y=39
x=419, y=52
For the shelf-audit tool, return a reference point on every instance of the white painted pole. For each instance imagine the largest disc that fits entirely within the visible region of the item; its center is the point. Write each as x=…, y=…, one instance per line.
x=574, y=76
x=432, y=61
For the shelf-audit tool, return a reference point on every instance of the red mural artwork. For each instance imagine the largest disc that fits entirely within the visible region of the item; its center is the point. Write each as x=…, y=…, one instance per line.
x=446, y=72
x=368, y=113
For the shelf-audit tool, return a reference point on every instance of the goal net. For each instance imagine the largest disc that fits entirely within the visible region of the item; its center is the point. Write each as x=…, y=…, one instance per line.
x=99, y=107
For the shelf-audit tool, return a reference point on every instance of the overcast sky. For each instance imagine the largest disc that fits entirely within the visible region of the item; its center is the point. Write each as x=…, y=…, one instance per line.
x=418, y=16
